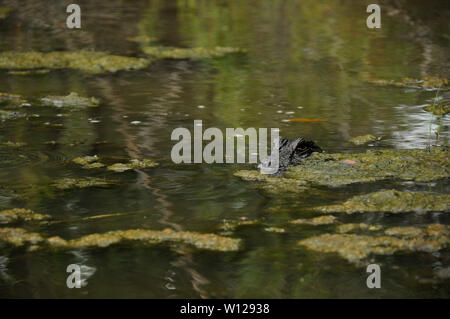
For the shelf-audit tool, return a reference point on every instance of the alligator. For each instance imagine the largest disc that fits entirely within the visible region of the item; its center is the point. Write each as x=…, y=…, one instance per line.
x=291, y=153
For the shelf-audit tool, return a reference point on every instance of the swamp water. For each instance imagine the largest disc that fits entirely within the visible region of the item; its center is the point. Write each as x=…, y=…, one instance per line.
x=92, y=175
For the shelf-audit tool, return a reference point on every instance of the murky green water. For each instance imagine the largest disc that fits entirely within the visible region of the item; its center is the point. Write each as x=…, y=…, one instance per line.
x=311, y=58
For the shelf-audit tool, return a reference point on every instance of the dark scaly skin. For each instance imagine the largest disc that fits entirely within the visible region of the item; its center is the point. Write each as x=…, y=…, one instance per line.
x=292, y=152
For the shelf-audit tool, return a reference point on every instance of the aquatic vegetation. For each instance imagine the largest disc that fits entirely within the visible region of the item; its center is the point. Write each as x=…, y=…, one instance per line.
x=322, y=220
x=202, y=241
x=19, y=237
x=272, y=184
x=162, y=52
x=347, y=228
x=354, y=248
x=391, y=201
x=16, y=214
x=359, y=140
x=93, y=165
x=231, y=225
x=72, y=100
x=132, y=164
x=275, y=230
x=88, y=162
x=70, y=183
x=321, y=169
x=440, y=108
x=30, y=72
x=420, y=165
x=86, y=61
x=428, y=82
x=13, y=144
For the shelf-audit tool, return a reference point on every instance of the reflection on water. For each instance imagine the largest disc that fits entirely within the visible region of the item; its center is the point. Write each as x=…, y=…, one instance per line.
x=305, y=59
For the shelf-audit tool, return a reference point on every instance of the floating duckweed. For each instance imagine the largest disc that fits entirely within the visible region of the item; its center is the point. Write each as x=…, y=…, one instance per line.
x=202, y=241
x=15, y=214
x=162, y=52
x=230, y=225
x=70, y=183
x=57, y=242
x=272, y=184
x=19, y=236
x=71, y=100
x=13, y=144
x=359, y=140
x=354, y=248
x=347, y=228
x=85, y=61
x=374, y=165
x=93, y=165
x=322, y=220
x=428, y=82
x=275, y=230
x=391, y=201
x=434, y=230
x=85, y=160
x=30, y=72
x=132, y=164
x=440, y=108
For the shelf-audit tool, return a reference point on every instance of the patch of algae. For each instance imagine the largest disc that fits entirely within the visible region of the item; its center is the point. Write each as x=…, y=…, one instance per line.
x=360, y=140
x=392, y=201
x=13, y=144
x=30, y=72
x=19, y=236
x=354, y=248
x=88, y=162
x=231, y=225
x=162, y=52
x=72, y=100
x=201, y=241
x=70, y=183
x=347, y=228
x=428, y=82
x=132, y=164
x=440, y=108
x=275, y=230
x=86, y=61
x=85, y=160
x=421, y=165
x=272, y=184
x=322, y=220
x=16, y=214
